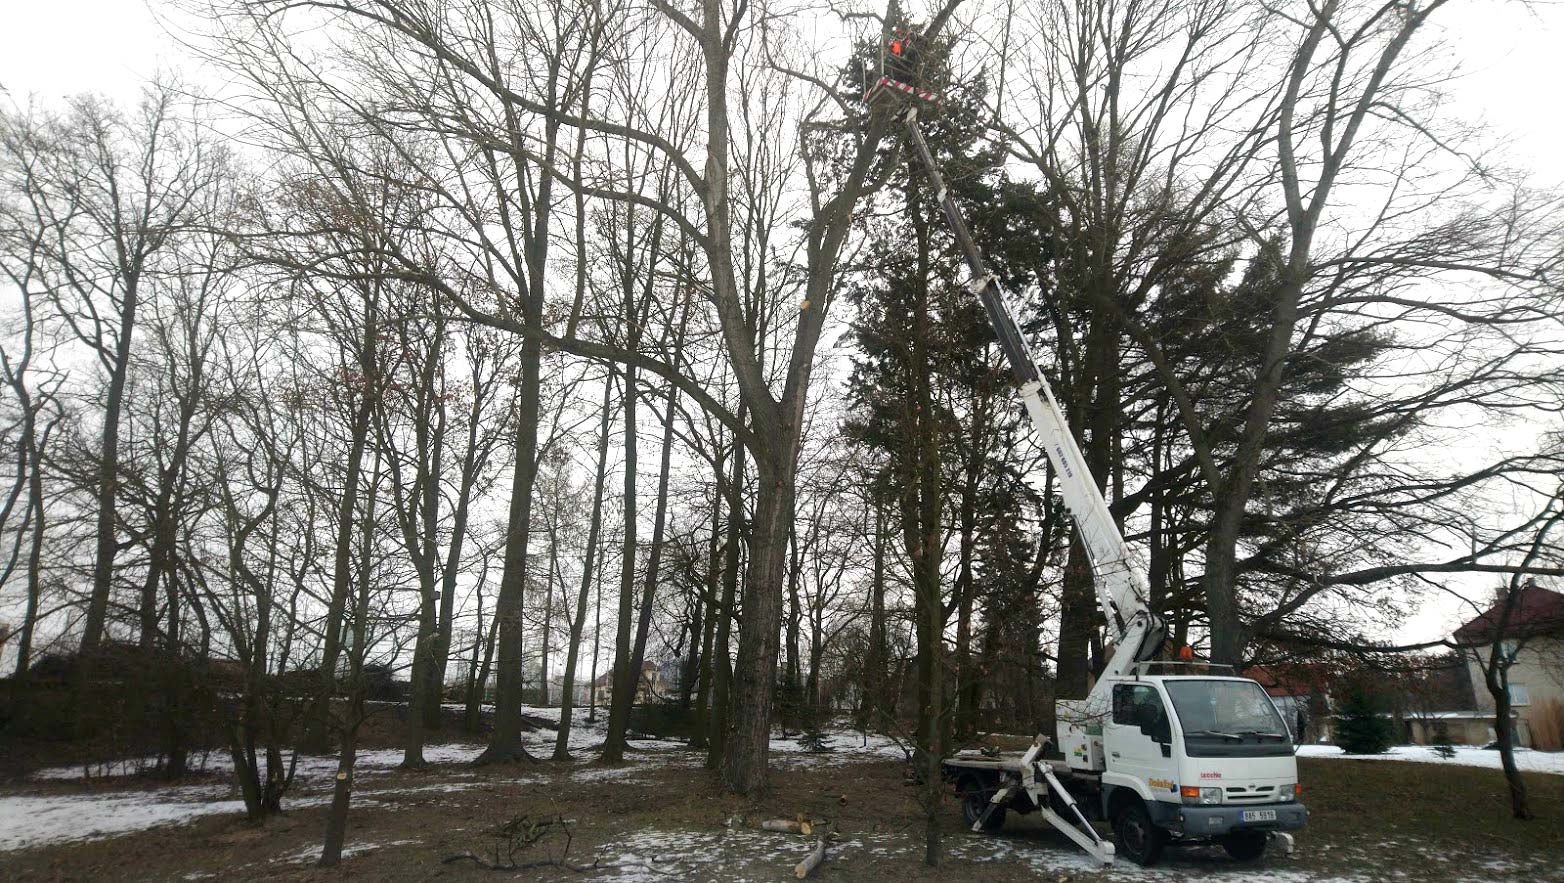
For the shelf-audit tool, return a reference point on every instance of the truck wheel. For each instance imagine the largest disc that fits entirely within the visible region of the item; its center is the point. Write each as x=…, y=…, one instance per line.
x=1135, y=836
x=974, y=802
x=1245, y=846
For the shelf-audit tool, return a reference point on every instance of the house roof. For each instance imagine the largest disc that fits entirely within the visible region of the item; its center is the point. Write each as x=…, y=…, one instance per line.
x=1287, y=679
x=648, y=667
x=1536, y=611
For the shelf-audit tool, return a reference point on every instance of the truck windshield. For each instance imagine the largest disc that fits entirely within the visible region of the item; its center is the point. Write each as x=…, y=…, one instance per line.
x=1228, y=718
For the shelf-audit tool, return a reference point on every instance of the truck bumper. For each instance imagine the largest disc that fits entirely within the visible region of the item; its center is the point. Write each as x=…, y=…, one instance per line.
x=1210, y=821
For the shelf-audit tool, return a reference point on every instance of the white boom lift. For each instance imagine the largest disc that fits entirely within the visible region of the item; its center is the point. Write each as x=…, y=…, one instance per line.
x=1165, y=752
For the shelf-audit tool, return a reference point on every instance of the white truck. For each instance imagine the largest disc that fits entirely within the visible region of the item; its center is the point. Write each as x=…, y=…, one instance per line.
x=1162, y=751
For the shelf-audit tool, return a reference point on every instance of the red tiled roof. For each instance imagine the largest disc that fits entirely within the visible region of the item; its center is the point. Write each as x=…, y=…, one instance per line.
x=1536, y=611
x=1287, y=679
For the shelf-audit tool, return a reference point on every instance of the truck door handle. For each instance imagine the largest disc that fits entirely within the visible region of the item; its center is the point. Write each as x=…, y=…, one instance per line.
x=1115, y=754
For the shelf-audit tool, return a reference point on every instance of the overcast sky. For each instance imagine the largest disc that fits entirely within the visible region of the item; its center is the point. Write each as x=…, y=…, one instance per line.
x=1511, y=53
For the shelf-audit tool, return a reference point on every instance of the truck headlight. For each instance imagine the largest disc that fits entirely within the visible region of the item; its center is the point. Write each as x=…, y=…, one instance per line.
x=1202, y=796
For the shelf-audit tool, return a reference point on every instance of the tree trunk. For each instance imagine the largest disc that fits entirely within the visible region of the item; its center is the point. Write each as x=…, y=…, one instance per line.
x=453, y=564
x=418, y=687
x=968, y=686
x=626, y=680
x=315, y=736
x=342, y=782
x=548, y=614
x=597, y=632
x=744, y=757
x=480, y=684
x=1496, y=677
x=24, y=647
x=872, y=703
x=654, y=554
x=505, y=742
x=690, y=665
x=700, y=736
x=567, y=698
x=107, y=497
x=1520, y=807
x=722, y=659
x=793, y=667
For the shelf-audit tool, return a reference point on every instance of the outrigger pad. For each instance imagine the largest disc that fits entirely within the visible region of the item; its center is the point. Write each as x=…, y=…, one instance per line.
x=887, y=89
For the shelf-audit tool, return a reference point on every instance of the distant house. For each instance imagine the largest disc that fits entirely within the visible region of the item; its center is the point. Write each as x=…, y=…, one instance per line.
x=1534, y=640
x=1301, y=694
x=657, y=682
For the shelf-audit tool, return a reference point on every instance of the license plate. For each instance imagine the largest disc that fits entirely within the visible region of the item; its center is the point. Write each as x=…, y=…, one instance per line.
x=1258, y=815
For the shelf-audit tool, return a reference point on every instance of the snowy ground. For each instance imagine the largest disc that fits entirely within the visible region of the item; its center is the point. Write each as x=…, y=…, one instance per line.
x=1465, y=755
x=748, y=855
x=120, y=804
x=40, y=819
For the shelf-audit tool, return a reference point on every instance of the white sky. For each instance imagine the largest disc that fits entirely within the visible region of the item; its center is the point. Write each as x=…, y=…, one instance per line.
x=1512, y=55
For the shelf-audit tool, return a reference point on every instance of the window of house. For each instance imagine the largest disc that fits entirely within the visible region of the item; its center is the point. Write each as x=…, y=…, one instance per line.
x=1519, y=695
x=1509, y=649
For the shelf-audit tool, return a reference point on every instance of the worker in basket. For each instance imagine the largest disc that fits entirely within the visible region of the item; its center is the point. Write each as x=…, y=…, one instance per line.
x=902, y=57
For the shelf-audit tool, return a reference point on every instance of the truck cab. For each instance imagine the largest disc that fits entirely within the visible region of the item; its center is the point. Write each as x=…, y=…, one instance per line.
x=1188, y=757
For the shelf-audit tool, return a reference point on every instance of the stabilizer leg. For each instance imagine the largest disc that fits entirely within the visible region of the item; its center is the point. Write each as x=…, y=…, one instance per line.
x=1078, y=829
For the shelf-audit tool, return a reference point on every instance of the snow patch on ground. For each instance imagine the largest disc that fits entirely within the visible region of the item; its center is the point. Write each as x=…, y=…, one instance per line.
x=29, y=821
x=311, y=854
x=1527, y=760
x=742, y=855
x=35, y=821
x=839, y=745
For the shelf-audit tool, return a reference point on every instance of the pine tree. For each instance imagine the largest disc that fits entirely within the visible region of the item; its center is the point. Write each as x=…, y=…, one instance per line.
x=1361, y=727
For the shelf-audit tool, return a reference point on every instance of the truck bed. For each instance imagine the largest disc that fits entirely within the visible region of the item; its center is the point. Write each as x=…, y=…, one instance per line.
x=1004, y=761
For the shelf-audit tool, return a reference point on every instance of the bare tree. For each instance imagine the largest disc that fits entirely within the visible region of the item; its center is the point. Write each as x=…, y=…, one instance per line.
x=1497, y=636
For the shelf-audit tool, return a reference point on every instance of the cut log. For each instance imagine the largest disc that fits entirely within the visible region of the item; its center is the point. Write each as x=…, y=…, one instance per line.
x=788, y=826
x=812, y=860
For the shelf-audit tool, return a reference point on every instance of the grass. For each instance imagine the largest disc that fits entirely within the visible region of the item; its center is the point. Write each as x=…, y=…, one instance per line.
x=1370, y=821
x=1427, y=813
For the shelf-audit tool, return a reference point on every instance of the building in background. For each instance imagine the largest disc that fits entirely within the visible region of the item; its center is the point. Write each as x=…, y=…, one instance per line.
x=1533, y=640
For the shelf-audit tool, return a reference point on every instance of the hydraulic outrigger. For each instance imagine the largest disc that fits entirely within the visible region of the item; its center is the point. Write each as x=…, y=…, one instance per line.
x=1135, y=780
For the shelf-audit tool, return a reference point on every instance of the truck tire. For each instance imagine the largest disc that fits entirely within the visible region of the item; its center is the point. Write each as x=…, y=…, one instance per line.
x=1135, y=836
x=974, y=802
x=1245, y=846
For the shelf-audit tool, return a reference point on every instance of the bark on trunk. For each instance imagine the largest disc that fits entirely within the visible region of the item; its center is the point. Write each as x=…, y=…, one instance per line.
x=505, y=742
x=315, y=726
x=626, y=679
x=700, y=736
x=744, y=757
x=548, y=615
x=342, y=784
x=654, y=553
x=567, y=699
x=722, y=659
x=107, y=496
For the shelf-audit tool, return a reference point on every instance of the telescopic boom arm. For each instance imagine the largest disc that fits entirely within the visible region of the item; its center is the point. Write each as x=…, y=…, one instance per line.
x=1120, y=585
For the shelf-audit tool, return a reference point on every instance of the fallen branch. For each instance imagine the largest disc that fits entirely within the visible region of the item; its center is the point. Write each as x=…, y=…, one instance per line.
x=812, y=860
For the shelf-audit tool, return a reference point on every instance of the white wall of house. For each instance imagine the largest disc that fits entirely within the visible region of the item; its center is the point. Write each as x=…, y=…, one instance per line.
x=1536, y=687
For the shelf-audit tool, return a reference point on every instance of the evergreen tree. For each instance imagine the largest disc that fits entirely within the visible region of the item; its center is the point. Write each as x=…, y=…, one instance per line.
x=933, y=395
x=1361, y=727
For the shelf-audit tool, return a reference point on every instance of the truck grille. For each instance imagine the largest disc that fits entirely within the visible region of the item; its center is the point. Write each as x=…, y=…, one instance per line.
x=1256, y=794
